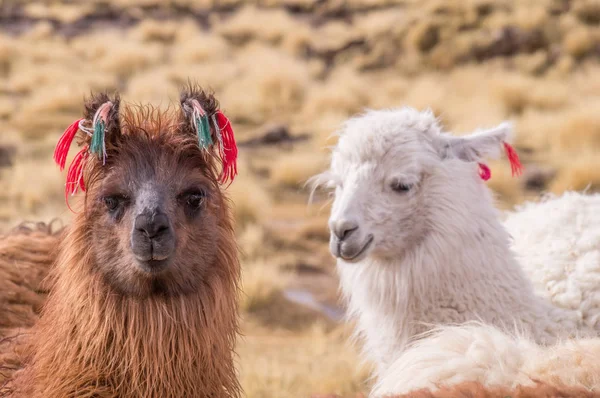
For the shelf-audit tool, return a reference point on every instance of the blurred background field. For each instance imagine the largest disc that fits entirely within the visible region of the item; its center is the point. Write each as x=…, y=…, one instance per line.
x=287, y=73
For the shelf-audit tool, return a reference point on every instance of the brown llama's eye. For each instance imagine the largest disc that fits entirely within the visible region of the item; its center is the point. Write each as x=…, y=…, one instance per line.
x=113, y=202
x=193, y=199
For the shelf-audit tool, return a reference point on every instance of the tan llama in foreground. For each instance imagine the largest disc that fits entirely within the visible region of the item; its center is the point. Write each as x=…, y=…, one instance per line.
x=143, y=301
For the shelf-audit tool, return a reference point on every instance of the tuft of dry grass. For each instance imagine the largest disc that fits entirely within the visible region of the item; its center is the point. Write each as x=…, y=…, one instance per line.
x=293, y=170
x=577, y=171
x=262, y=283
x=300, y=364
x=261, y=94
x=251, y=23
x=251, y=202
x=578, y=42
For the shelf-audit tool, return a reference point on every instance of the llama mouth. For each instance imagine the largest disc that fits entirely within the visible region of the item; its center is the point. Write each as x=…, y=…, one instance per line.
x=360, y=253
x=153, y=266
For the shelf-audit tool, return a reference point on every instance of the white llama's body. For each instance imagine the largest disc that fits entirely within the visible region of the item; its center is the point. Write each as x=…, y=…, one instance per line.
x=557, y=242
x=484, y=354
x=418, y=239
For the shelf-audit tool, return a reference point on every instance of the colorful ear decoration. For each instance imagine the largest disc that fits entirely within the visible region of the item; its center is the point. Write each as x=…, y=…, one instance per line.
x=75, y=174
x=64, y=143
x=228, y=147
x=515, y=164
x=200, y=124
x=98, y=146
x=97, y=132
x=484, y=172
x=513, y=158
x=225, y=138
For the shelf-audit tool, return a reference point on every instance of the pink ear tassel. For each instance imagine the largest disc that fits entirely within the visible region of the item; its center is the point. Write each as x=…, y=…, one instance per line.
x=513, y=158
x=515, y=164
x=484, y=172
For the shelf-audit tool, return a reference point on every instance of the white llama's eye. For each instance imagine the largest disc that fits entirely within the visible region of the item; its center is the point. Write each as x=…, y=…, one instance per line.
x=400, y=187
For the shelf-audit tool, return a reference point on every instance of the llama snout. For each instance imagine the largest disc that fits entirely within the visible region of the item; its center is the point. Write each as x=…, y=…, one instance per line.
x=347, y=240
x=152, y=240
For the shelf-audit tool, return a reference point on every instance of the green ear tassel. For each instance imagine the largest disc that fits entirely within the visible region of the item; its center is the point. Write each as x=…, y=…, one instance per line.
x=97, y=144
x=204, y=136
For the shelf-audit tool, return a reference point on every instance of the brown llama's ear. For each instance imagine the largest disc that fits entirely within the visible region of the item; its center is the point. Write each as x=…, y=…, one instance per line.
x=207, y=100
x=101, y=129
x=201, y=116
x=100, y=126
x=102, y=107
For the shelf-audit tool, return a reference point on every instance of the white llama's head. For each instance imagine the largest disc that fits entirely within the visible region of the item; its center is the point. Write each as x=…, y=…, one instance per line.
x=394, y=171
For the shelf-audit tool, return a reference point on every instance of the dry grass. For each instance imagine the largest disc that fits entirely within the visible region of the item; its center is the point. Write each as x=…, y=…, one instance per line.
x=309, y=65
x=251, y=202
x=293, y=170
x=262, y=283
x=300, y=364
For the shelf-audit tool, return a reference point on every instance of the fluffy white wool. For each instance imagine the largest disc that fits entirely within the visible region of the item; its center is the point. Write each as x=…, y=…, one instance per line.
x=428, y=247
x=482, y=353
x=557, y=241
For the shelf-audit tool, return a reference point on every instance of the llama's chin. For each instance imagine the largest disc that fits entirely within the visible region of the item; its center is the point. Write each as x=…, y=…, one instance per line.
x=153, y=266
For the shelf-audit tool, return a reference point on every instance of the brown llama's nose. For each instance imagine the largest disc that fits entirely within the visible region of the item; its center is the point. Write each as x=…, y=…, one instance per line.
x=152, y=240
x=152, y=225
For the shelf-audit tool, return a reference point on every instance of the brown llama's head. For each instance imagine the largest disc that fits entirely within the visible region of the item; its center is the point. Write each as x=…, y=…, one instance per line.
x=154, y=214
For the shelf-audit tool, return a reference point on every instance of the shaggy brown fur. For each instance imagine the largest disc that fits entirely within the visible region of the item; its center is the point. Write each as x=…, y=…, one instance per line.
x=110, y=329
x=26, y=254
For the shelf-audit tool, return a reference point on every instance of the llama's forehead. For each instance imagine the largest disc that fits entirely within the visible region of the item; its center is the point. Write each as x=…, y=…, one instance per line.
x=379, y=137
x=155, y=159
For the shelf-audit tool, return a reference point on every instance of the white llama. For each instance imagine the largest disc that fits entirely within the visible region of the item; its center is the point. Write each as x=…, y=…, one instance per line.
x=557, y=241
x=417, y=238
x=450, y=355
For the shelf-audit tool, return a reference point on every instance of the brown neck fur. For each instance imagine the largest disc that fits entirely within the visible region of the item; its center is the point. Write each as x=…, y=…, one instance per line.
x=93, y=342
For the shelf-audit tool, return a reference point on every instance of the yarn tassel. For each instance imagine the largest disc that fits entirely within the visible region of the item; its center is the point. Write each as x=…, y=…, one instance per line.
x=75, y=175
x=513, y=158
x=201, y=124
x=484, y=172
x=64, y=144
x=203, y=130
x=97, y=144
x=229, y=151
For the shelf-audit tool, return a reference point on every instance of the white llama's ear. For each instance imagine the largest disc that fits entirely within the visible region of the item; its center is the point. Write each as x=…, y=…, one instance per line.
x=476, y=146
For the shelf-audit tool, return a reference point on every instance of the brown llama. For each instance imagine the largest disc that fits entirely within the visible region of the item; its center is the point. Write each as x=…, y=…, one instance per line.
x=26, y=254
x=144, y=294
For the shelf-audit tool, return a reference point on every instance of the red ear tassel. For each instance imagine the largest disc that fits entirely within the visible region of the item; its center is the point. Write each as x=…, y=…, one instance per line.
x=64, y=143
x=229, y=150
x=513, y=158
x=484, y=172
x=75, y=175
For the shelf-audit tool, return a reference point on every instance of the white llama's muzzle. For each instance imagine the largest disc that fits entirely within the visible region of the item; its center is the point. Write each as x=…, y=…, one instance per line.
x=347, y=241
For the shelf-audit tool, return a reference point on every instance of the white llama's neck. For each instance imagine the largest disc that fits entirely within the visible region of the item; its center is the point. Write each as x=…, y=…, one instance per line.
x=462, y=270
